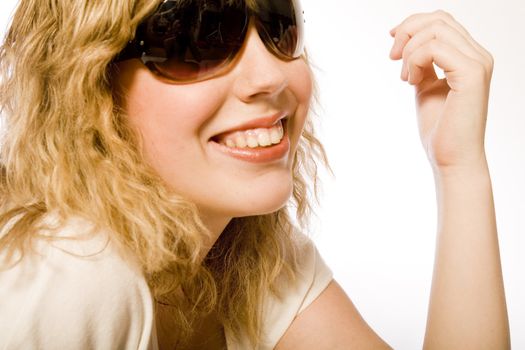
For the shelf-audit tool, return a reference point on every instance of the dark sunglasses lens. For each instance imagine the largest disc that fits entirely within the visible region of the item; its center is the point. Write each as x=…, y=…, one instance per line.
x=191, y=40
x=282, y=25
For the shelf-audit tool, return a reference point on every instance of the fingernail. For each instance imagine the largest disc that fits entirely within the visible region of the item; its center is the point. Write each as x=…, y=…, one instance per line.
x=393, y=31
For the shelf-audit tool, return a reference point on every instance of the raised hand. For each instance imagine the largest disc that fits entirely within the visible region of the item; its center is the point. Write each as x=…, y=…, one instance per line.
x=451, y=111
x=467, y=308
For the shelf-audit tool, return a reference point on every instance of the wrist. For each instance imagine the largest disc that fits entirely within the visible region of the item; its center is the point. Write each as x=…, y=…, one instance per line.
x=474, y=178
x=472, y=169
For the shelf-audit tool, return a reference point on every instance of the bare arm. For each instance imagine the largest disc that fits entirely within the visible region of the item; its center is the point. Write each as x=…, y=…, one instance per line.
x=467, y=308
x=467, y=304
x=331, y=322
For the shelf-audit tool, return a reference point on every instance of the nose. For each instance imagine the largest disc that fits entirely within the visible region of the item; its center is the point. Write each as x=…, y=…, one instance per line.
x=258, y=73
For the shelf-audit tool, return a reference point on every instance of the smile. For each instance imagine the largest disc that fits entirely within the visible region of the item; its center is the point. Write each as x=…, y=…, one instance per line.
x=259, y=145
x=252, y=138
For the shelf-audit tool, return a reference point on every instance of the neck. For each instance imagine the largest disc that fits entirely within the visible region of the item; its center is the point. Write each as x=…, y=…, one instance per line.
x=215, y=225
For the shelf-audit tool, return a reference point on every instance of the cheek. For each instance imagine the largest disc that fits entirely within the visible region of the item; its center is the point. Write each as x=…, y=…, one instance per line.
x=301, y=80
x=169, y=119
x=170, y=110
x=163, y=126
x=301, y=84
x=173, y=122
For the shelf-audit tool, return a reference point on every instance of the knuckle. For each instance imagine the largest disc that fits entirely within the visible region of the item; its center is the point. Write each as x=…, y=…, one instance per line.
x=407, y=21
x=479, y=69
x=409, y=61
x=439, y=24
x=412, y=17
x=433, y=45
x=443, y=14
x=489, y=69
x=407, y=51
x=490, y=60
x=413, y=60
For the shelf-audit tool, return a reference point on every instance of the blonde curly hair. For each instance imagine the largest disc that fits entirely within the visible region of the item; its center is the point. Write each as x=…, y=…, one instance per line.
x=67, y=148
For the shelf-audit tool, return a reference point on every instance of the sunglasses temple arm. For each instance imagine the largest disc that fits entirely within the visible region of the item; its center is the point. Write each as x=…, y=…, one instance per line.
x=132, y=50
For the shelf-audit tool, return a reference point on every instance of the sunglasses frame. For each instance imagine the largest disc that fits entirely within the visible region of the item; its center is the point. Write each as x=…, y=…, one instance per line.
x=140, y=47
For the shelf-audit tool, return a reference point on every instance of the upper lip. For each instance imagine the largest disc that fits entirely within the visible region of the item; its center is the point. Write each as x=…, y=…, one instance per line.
x=264, y=122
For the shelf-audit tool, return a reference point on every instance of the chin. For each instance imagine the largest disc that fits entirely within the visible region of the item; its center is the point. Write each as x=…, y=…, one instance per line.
x=261, y=201
x=266, y=208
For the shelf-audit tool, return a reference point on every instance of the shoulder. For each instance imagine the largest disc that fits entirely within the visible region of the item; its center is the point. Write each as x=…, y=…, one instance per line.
x=327, y=318
x=74, y=279
x=312, y=278
x=313, y=274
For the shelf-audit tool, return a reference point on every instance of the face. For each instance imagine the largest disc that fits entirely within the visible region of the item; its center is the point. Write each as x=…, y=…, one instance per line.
x=193, y=134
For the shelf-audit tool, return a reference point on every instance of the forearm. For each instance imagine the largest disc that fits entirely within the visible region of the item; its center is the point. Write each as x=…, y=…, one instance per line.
x=467, y=305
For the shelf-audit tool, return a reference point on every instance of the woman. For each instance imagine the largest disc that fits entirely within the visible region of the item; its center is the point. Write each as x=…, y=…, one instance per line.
x=150, y=150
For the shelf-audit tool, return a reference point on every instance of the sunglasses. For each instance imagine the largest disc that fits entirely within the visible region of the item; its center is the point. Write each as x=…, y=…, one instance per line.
x=192, y=40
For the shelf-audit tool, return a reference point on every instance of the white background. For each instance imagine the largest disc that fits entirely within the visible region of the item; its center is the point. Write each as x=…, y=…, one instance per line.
x=376, y=223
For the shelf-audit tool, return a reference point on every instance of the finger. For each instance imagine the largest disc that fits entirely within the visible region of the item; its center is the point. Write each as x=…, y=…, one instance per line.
x=441, y=31
x=428, y=74
x=393, y=31
x=460, y=70
x=400, y=40
x=417, y=22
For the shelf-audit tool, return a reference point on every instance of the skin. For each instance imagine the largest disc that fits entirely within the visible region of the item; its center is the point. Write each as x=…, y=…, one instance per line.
x=176, y=122
x=467, y=308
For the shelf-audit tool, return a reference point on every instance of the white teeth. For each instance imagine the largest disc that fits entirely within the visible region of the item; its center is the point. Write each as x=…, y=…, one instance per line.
x=264, y=138
x=252, y=142
x=275, y=136
x=261, y=137
x=240, y=142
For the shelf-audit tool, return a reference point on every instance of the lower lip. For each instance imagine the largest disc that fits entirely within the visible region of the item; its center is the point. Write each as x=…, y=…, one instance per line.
x=258, y=154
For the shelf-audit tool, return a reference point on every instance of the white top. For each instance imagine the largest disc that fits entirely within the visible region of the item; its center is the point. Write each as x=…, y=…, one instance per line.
x=80, y=294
